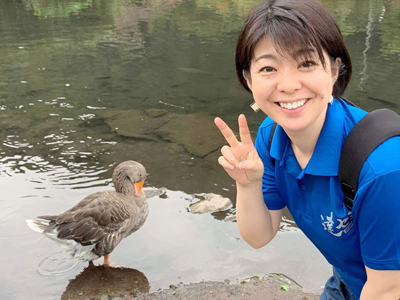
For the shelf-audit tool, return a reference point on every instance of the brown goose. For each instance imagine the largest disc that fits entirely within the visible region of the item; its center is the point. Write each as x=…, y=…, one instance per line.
x=96, y=225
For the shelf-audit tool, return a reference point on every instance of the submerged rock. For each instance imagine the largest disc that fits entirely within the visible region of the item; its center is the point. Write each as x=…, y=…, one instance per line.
x=200, y=135
x=212, y=203
x=134, y=123
x=195, y=132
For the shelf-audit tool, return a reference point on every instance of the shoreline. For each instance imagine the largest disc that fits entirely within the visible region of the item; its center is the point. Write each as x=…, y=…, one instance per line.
x=262, y=289
x=104, y=283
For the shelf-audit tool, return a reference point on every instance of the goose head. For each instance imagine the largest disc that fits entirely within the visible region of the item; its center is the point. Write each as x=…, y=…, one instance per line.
x=128, y=177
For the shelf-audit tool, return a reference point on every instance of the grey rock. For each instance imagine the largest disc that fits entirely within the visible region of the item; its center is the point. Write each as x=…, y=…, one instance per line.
x=155, y=113
x=200, y=136
x=212, y=203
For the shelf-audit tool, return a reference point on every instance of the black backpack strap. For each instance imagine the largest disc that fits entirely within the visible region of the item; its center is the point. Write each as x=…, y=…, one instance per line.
x=371, y=131
x=271, y=135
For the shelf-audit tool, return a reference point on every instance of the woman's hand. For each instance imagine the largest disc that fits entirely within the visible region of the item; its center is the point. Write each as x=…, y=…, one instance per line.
x=240, y=159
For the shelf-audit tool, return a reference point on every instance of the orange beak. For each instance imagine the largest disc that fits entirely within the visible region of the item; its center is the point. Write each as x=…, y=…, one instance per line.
x=138, y=187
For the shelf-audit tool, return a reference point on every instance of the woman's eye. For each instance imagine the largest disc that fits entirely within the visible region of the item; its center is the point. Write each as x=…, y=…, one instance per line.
x=267, y=69
x=307, y=64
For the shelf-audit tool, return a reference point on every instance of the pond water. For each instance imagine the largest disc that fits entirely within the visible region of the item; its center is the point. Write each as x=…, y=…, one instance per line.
x=68, y=68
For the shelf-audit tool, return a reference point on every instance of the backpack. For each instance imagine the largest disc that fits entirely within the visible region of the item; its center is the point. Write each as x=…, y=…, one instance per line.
x=371, y=131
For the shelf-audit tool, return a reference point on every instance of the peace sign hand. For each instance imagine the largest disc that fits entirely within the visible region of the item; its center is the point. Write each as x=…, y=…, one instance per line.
x=240, y=160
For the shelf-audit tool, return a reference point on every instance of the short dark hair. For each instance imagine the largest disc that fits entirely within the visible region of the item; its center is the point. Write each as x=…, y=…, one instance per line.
x=292, y=24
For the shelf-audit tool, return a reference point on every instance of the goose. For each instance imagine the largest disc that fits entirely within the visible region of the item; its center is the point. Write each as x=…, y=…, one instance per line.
x=97, y=224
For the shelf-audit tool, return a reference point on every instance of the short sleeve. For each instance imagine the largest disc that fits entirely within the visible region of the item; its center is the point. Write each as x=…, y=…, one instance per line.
x=272, y=197
x=377, y=218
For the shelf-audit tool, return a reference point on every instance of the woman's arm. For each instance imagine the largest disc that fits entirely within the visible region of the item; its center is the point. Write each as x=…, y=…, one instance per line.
x=382, y=285
x=257, y=225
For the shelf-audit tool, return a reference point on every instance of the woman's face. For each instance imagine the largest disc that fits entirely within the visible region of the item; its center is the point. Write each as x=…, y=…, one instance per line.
x=293, y=91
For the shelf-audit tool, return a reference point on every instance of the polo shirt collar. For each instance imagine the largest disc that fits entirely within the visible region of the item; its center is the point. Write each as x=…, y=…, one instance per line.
x=326, y=156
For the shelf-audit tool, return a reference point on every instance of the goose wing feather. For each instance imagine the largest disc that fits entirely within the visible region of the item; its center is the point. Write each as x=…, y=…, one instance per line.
x=97, y=216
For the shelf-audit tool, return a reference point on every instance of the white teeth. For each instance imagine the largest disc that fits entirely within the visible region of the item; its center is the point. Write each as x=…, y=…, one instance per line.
x=293, y=105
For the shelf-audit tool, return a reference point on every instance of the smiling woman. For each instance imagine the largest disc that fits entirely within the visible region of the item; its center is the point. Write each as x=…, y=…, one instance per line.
x=293, y=91
x=291, y=56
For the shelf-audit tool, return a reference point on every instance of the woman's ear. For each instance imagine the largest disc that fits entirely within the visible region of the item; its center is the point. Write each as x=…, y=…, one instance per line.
x=247, y=76
x=336, y=69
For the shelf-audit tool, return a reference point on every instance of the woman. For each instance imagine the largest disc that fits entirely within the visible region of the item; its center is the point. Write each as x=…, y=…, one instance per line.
x=291, y=56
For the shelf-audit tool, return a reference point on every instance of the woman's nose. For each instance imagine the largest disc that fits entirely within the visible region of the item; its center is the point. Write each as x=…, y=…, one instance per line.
x=288, y=82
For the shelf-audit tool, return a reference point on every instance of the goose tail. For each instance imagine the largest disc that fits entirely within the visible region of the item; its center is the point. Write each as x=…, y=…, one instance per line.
x=38, y=225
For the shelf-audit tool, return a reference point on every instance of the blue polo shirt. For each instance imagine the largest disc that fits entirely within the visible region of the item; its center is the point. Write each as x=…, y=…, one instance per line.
x=370, y=234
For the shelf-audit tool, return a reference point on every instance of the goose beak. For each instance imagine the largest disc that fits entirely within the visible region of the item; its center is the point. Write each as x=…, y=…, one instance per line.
x=138, y=187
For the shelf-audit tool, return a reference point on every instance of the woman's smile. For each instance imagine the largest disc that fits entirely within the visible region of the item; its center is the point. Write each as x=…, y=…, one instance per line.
x=294, y=105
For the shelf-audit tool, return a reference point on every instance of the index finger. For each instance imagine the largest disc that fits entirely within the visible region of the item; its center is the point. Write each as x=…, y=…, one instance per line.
x=226, y=132
x=244, y=131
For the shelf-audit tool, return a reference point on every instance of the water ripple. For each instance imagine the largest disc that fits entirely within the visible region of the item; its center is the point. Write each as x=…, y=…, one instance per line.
x=44, y=174
x=56, y=264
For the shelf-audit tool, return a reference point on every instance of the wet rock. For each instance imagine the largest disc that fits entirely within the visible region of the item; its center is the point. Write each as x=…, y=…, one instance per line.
x=212, y=203
x=251, y=279
x=98, y=281
x=200, y=136
x=282, y=278
x=231, y=218
x=133, y=123
x=155, y=113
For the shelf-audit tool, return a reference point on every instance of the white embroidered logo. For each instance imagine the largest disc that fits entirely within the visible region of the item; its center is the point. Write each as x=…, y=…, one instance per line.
x=346, y=224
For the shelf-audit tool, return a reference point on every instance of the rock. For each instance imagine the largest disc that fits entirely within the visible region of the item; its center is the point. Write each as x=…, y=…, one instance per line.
x=200, y=136
x=231, y=218
x=251, y=279
x=108, y=283
x=133, y=123
x=282, y=278
x=212, y=203
x=155, y=113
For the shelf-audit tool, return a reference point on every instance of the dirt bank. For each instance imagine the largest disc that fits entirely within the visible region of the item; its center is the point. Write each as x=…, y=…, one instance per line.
x=98, y=282
x=265, y=289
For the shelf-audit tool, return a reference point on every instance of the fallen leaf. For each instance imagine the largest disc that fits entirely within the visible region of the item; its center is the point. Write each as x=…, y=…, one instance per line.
x=285, y=287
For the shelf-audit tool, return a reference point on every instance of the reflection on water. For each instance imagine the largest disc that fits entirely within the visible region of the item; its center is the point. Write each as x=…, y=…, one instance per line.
x=65, y=65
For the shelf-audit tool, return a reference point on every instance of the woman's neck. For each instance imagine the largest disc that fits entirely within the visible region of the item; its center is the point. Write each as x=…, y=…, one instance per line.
x=303, y=142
